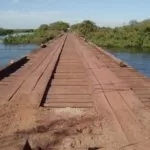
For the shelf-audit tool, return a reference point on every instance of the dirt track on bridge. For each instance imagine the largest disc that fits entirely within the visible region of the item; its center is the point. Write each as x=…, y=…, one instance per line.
x=70, y=96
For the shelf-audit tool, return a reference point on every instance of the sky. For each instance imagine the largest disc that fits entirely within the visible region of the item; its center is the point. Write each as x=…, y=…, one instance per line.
x=33, y=13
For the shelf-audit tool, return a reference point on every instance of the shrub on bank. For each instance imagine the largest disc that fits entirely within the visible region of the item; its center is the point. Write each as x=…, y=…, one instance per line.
x=133, y=35
x=43, y=34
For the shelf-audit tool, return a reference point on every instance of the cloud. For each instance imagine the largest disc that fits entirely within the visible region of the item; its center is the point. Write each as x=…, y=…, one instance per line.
x=33, y=19
x=27, y=19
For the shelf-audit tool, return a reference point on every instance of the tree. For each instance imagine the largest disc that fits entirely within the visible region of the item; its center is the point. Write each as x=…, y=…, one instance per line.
x=43, y=27
x=133, y=22
x=59, y=25
x=86, y=27
x=6, y=31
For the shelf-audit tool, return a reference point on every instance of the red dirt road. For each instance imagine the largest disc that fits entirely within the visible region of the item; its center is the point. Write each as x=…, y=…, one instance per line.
x=72, y=96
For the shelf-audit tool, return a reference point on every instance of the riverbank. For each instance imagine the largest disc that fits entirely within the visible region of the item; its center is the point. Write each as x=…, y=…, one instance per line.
x=138, y=59
x=43, y=34
x=135, y=35
x=4, y=32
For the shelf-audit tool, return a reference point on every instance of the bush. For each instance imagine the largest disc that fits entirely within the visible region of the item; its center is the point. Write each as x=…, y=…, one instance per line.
x=136, y=34
x=43, y=34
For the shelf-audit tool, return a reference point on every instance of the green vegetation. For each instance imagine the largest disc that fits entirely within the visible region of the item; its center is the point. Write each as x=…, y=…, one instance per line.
x=6, y=31
x=23, y=30
x=13, y=31
x=134, y=35
x=43, y=34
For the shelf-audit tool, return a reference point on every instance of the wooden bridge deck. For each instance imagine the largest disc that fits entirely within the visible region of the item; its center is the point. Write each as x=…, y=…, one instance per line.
x=72, y=95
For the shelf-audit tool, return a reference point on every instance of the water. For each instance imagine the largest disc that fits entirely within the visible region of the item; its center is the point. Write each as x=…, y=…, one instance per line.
x=138, y=60
x=12, y=52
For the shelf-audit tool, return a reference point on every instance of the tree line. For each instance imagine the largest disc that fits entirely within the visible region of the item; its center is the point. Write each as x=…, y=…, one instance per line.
x=42, y=34
x=135, y=34
x=4, y=32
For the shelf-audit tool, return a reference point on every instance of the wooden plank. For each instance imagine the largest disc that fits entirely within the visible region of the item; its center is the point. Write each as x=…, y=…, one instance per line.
x=132, y=127
x=112, y=130
x=69, y=76
x=38, y=92
x=67, y=96
x=68, y=82
x=30, y=83
x=72, y=70
x=113, y=133
x=72, y=105
x=71, y=100
x=69, y=90
x=16, y=85
x=24, y=79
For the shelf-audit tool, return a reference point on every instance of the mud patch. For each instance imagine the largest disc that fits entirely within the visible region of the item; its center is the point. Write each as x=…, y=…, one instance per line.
x=68, y=129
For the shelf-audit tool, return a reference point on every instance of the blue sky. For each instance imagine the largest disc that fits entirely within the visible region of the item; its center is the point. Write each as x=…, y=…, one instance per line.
x=32, y=13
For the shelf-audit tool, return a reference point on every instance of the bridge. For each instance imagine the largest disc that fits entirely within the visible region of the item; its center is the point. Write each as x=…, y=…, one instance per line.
x=73, y=95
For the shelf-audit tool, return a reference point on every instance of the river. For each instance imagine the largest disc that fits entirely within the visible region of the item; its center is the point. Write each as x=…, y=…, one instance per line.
x=137, y=59
x=12, y=52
